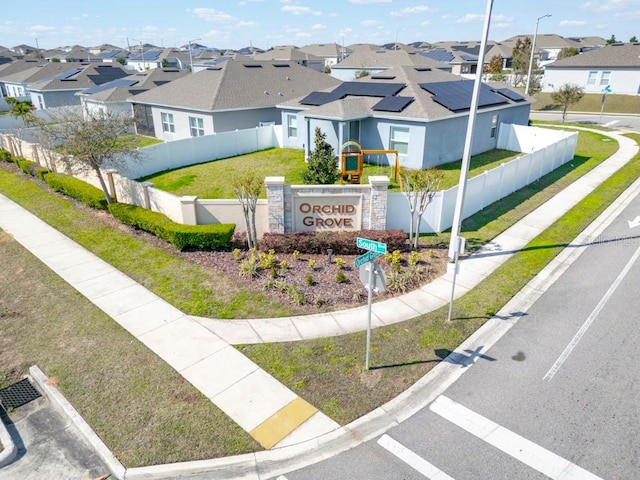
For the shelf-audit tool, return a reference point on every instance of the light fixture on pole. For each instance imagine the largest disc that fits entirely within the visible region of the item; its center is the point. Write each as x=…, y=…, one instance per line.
x=190, y=54
x=457, y=243
x=533, y=49
x=141, y=53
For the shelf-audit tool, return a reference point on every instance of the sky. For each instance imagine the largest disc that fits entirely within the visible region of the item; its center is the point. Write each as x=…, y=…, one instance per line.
x=266, y=23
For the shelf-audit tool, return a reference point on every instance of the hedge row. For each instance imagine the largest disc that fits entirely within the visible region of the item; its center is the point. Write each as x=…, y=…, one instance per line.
x=72, y=187
x=342, y=243
x=198, y=237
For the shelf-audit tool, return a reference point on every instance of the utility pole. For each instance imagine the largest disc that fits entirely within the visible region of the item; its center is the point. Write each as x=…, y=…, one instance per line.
x=533, y=49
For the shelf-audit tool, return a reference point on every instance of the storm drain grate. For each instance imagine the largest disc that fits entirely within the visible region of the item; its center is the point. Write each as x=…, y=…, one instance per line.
x=18, y=394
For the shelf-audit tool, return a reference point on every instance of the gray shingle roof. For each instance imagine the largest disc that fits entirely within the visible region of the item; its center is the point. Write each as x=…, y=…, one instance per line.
x=118, y=91
x=423, y=107
x=625, y=55
x=380, y=58
x=38, y=73
x=86, y=76
x=236, y=85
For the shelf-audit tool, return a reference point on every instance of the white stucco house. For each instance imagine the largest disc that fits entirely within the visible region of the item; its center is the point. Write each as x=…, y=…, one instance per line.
x=418, y=111
x=616, y=66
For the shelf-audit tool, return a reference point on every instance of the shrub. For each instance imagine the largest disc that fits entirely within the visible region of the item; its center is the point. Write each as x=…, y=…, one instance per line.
x=309, y=279
x=341, y=277
x=41, y=172
x=82, y=191
x=27, y=166
x=6, y=156
x=198, y=237
x=342, y=243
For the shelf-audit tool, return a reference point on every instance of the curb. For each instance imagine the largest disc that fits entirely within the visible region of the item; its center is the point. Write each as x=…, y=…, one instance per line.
x=58, y=400
x=10, y=451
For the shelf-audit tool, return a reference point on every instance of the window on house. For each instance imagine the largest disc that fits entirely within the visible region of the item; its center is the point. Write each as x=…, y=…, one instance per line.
x=604, y=80
x=292, y=126
x=352, y=131
x=592, y=78
x=197, y=126
x=494, y=126
x=167, y=122
x=399, y=140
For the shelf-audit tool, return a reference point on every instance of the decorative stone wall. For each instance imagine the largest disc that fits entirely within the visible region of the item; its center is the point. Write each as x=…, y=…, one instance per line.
x=372, y=207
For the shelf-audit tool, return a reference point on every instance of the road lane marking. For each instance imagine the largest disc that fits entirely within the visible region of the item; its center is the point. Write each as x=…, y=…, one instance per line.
x=527, y=452
x=412, y=459
x=596, y=311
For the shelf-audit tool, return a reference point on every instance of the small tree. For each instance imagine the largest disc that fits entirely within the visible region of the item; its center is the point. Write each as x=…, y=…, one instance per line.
x=612, y=40
x=321, y=164
x=419, y=187
x=361, y=73
x=495, y=65
x=568, y=94
x=568, y=52
x=93, y=141
x=633, y=39
x=20, y=110
x=247, y=190
x=520, y=61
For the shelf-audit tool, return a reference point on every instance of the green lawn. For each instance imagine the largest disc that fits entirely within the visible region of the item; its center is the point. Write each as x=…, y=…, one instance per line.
x=592, y=103
x=213, y=179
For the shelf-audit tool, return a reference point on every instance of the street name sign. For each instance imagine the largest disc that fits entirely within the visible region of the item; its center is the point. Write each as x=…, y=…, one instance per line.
x=365, y=258
x=371, y=245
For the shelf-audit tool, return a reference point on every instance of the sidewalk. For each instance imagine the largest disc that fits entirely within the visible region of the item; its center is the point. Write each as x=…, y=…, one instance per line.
x=200, y=349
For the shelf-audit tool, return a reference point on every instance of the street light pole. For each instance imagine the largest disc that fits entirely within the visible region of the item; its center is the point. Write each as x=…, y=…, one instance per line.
x=455, y=244
x=141, y=52
x=533, y=49
x=190, y=54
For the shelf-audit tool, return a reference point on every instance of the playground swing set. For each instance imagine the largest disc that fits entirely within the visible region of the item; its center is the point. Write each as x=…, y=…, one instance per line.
x=352, y=162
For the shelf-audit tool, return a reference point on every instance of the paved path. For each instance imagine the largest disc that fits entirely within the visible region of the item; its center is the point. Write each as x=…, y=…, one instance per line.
x=262, y=406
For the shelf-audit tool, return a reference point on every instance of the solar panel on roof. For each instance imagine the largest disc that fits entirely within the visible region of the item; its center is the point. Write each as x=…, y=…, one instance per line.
x=66, y=75
x=392, y=104
x=510, y=94
x=317, y=98
x=469, y=58
x=440, y=55
x=121, y=82
x=456, y=95
x=368, y=89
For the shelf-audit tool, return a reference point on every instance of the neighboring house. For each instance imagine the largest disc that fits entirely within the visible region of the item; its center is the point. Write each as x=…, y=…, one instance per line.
x=60, y=90
x=7, y=69
x=589, y=43
x=113, y=56
x=548, y=45
x=233, y=96
x=463, y=56
x=15, y=83
x=616, y=66
x=420, y=112
x=331, y=53
x=371, y=61
x=79, y=55
x=112, y=96
x=154, y=58
x=292, y=54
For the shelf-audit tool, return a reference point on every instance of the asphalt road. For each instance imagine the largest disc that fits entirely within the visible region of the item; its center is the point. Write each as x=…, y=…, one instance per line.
x=556, y=397
x=624, y=122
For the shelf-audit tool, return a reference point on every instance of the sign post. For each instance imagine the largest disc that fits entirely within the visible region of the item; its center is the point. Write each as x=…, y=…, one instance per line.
x=605, y=90
x=375, y=249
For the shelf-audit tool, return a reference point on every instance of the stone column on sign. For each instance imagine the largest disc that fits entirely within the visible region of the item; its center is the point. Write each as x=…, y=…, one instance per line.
x=275, y=204
x=378, y=211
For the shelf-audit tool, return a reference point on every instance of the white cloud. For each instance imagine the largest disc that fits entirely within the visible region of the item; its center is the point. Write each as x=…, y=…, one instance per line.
x=296, y=10
x=470, y=18
x=42, y=28
x=303, y=35
x=247, y=24
x=369, y=23
x=426, y=23
x=368, y=2
x=418, y=9
x=318, y=26
x=610, y=5
x=213, y=15
x=572, y=23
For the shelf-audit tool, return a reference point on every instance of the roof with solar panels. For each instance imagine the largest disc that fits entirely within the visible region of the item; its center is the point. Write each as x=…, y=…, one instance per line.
x=405, y=92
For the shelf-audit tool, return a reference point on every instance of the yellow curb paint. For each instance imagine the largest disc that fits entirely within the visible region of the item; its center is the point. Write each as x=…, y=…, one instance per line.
x=282, y=423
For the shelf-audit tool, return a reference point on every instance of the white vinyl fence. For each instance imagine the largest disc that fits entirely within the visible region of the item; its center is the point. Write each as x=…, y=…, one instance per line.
x=544, y=150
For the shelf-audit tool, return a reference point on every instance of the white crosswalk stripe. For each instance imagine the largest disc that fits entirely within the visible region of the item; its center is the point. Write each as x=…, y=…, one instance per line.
x=412, y=459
